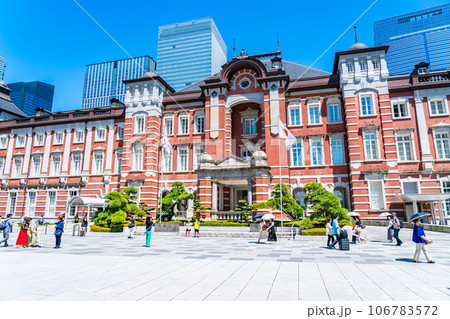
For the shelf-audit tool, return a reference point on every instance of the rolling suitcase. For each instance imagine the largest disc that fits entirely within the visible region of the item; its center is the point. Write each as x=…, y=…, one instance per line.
x=344, y=244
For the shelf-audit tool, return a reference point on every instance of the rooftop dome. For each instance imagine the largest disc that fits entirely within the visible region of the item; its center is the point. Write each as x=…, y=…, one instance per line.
x=358, y=46
x=3, y=84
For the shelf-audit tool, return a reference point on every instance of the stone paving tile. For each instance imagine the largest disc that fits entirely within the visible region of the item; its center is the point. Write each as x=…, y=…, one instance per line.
x=104, y=268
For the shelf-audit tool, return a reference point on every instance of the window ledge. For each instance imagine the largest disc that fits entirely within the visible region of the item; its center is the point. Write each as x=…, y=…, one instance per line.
x=370, y=115
x=249, y=135
x=199, y=133
x=317, y=124
x=402, y=118
x=294, y=126
x=183, y=134
x=437, y=115
x=408, y=162
x=442, y=160
x=343, y=164
x=139, y=134
x=24, y=146
x=373, y=161
x=57, y=143
x=340, y=122
x=318, y=166
x=40, y=145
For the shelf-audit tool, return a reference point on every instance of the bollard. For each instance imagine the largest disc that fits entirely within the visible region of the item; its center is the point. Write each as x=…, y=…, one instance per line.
x=46, y=229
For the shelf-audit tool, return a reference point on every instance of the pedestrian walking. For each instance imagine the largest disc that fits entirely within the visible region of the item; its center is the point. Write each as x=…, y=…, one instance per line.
x=148, y=230
x=271, y=231
x=422, y=243
x=41, y=220
x=188, y=229
x=34, y=234
x=84, y=226
x=22, y=239
x=6, y=225
x=262, y=231
x=59, y=230
x=329, y=232
x=336, y=231
x=76, y=219
x=390, y=229
x=359, y=230
x=397, y=226
x=197, y=228
x=131, y=227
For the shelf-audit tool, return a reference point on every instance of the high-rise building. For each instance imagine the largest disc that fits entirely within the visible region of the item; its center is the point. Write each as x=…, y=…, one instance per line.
x=28, y=96
x=422, y=35
x=104, y=81
x=190, y=51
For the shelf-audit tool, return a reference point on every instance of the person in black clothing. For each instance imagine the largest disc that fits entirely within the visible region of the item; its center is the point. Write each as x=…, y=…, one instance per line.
x=148, y=230
x=131, y=227
x=271, y=231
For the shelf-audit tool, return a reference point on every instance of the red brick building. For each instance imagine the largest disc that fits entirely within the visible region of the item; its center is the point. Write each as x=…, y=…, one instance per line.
x=364, y=135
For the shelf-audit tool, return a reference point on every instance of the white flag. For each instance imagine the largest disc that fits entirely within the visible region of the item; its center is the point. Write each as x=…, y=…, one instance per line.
x=284, y=133
x=165, y=142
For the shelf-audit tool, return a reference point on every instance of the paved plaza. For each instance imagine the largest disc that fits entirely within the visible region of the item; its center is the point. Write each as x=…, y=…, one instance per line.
x=112, y=267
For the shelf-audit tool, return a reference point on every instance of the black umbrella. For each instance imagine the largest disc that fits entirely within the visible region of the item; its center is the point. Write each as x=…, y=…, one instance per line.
x=418, y=216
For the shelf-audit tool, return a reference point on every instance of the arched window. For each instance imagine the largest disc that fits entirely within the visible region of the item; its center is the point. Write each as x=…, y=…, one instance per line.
x=341, y=193
x=299, y=196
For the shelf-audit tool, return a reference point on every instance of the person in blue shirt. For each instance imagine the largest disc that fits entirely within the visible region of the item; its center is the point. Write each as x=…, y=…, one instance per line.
x=8, y=228
x=41, y=220
x=59, y=231
x=421, y=243
x=336, y=231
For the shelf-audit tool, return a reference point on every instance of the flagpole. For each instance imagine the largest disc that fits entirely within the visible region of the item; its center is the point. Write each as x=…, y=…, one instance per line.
x=162, y=184
x=281, y=188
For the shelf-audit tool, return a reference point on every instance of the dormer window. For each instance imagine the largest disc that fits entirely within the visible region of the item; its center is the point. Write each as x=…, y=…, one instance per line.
x=422, y=71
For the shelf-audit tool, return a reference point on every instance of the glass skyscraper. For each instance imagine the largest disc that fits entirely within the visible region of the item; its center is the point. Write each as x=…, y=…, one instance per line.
x=190, y=51
x=417, y=36
x=104, y=81
x=28, y=96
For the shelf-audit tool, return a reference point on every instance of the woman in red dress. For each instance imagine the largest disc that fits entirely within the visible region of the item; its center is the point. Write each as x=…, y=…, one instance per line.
x=22, y=239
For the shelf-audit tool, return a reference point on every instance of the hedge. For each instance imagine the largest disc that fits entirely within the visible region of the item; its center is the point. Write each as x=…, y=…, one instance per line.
x=216, y=223
x=314, y=232
x=100, y=229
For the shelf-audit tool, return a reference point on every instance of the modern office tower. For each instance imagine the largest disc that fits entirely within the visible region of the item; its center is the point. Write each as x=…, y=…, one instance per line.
x=190, y=51
x=422, y=35
x=28, y=96
x=104, y=81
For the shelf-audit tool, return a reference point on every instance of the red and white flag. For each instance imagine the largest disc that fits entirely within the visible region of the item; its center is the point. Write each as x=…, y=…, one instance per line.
x=165, y=142
x=284, y=133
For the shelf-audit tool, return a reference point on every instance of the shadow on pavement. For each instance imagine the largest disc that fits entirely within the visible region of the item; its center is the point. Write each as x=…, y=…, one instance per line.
x=406, y=260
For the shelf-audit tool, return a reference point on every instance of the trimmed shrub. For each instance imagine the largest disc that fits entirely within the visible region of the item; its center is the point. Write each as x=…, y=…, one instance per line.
x=99, y=229
x=314, y=232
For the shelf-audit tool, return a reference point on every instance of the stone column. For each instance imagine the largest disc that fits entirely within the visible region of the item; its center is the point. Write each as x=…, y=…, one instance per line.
x=214, y=196
x=66, y=154
x=109, y=149
x=26, y=158
x=249, y=192
x=221, y=200
x=87, y=150
x=8, y=159
x=427, y=158
x=46, y=156
x=231, y=194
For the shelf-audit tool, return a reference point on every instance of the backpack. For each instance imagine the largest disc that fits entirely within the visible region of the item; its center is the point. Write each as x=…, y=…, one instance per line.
x=401, y=223
x=362, y=226
x=3, y=225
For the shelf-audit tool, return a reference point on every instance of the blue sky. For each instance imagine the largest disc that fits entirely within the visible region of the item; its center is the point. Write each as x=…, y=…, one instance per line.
x=53, y=40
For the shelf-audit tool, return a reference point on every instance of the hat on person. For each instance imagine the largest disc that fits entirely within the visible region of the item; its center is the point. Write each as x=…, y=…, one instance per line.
x=394, y=214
